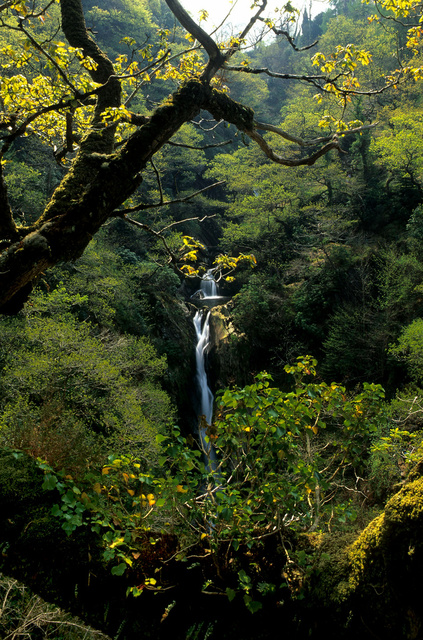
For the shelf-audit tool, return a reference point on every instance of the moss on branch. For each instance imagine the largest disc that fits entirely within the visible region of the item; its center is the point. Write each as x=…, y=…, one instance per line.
x=372, y=587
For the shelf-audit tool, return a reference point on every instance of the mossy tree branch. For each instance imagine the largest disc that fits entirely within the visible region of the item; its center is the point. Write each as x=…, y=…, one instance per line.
x=102, y=177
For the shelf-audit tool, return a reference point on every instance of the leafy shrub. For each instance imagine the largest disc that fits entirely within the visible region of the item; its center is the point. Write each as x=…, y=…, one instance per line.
x=66, y=390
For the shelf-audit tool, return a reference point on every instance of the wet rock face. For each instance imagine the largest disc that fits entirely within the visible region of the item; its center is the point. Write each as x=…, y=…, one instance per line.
x=221, y=326
x=209, y=302
x=228, y=349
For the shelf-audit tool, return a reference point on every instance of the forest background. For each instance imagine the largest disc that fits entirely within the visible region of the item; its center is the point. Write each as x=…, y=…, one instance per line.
x=97, y=365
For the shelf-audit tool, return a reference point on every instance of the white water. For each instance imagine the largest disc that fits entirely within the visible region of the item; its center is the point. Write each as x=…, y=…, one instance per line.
x=208, y=285
x=202, y=330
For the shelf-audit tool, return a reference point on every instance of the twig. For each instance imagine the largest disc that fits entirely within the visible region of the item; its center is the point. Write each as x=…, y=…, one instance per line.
x=143, y=207
x=159, y=182
x=206, y=146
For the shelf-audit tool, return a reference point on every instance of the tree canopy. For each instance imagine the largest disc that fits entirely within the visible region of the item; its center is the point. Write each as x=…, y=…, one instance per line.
x=61, y=86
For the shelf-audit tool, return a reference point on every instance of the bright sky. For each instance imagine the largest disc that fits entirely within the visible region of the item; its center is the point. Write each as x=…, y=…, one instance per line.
x=218, y=9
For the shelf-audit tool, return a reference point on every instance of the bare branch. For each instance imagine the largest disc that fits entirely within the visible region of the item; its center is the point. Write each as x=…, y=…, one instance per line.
x=293, y=162
x=159, y=182
x=289, y=38
x=319, y=81
x=159, y=235
x=41, y=11
x=226, y=17
x=200, y=126
x=250, y=25
x=279, y=132
x=204, y=146
x=310, y=143
x=176, y=222
x=6, y=5
x=143, y=207
x=31, y=14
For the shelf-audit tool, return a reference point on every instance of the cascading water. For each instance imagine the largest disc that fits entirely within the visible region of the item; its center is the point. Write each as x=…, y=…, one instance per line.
x=208, y=285
x=202, y=331
x=208, y=290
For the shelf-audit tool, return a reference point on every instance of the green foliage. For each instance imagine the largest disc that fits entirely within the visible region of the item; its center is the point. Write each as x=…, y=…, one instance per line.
x=355, y=344
x=279, y=459
x=399, y=147
x=122, y=25
x=67, y=391
x=124, y=505
x=409, y=350
x=391, y=457
x=282, y=464
x=270, y=444
x=415, y=231
x=23, y=184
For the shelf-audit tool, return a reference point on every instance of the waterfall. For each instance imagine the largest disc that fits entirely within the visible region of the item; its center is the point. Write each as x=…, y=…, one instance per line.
x=208, y=285
x=207, y=290
x=202, y=331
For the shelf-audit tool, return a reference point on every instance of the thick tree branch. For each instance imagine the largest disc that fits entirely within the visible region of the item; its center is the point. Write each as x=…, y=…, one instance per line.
x=247, y=29
x=75, y=30
x=293, y=162
x=8, y=228
x=216, y=57
x=95, y=186
x=313, y=142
